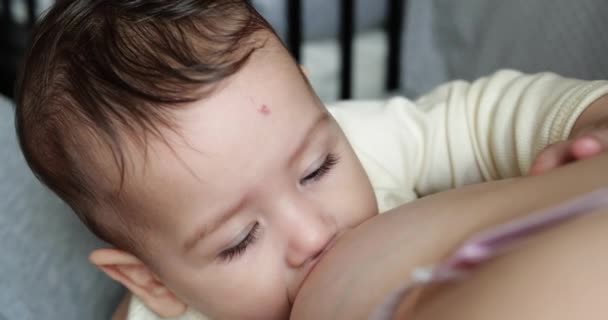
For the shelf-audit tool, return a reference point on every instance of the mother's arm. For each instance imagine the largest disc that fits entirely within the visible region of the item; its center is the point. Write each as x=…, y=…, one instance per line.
x=377, y=257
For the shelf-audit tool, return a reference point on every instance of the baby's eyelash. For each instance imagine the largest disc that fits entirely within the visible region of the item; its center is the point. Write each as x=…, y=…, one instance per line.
x=231, y=253
x=330, y=161
x=238, y=250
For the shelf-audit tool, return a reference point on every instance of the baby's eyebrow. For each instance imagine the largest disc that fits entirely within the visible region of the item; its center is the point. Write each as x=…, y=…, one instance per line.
x=205, y=229
x=323, y=118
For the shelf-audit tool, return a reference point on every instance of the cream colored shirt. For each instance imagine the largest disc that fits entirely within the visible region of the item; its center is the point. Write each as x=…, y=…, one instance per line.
x=460, y=133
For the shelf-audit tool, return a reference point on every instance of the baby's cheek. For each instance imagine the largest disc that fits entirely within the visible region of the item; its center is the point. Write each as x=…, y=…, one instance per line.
x=356, y=191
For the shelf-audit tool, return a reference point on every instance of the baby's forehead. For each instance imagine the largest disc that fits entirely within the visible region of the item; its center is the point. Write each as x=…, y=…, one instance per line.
x=186, y=175
x=248, y=124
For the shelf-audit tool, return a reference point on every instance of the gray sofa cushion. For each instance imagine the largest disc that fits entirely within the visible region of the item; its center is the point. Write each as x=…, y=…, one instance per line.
x=466, y=39
x=44, y=272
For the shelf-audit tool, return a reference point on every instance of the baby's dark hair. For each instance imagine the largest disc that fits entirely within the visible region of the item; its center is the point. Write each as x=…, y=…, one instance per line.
x=106, y=73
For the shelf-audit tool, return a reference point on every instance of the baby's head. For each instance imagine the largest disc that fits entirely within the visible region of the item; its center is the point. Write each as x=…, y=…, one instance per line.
x=182, y=133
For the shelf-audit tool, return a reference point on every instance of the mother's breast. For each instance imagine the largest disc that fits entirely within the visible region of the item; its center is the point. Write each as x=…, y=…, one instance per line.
x=376, y=258
x=561, y=273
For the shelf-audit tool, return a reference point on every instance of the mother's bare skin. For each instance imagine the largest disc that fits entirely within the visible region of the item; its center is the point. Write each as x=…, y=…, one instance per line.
x=373, y=260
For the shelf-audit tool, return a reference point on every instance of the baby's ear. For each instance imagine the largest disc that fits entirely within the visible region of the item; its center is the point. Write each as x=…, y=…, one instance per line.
x=139, y=279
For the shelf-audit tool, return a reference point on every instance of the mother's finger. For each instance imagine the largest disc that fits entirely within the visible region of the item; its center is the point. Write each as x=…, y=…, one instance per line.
x=587, y=146
x=552, y=157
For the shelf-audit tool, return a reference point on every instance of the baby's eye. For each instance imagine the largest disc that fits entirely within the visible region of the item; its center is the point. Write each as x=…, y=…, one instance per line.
x=330, y=161
x=238, y=250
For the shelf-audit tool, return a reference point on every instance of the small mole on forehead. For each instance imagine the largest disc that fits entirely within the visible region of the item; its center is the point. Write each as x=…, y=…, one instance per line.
x=264, y=109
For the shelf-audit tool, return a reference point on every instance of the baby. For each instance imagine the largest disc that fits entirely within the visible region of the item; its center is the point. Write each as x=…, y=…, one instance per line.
x=184, y=135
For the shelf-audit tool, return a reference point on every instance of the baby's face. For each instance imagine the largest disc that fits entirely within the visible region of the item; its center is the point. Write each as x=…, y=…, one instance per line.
x=246, y=203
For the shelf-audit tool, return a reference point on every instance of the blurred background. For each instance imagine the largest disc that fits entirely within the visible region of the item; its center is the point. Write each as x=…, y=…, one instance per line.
x=327, y=37
x=363, y=49
x=343, y=44
x=368, y=49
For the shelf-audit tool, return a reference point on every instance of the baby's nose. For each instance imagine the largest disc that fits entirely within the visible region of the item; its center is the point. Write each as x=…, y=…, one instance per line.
x=307, y=240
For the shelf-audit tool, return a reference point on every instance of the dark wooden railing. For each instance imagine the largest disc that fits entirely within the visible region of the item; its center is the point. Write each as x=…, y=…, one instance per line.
x=395, y=24
x=13, y=38
x=294, y=32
